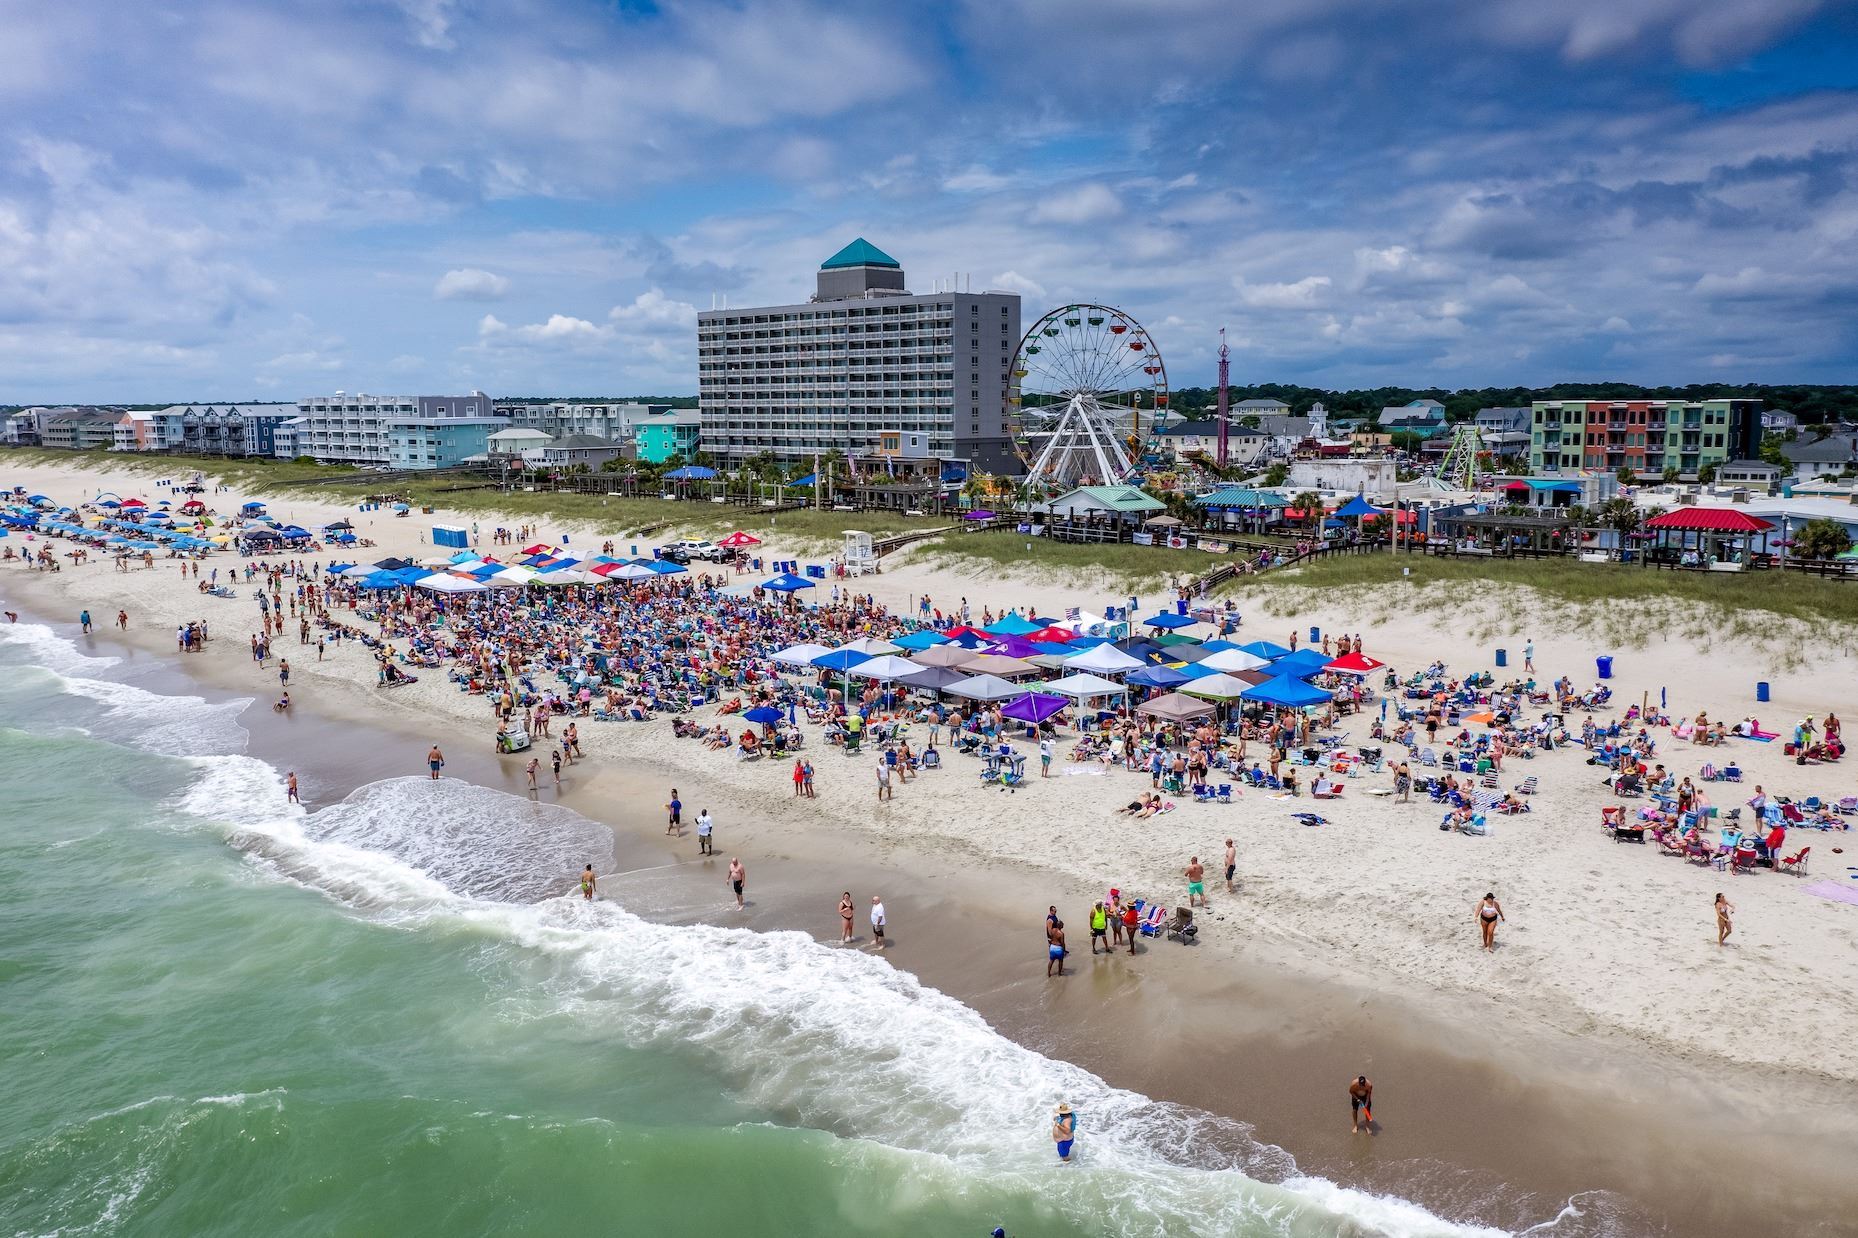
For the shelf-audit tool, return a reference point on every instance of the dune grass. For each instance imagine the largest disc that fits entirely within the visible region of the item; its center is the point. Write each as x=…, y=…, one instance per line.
x=1134, y=566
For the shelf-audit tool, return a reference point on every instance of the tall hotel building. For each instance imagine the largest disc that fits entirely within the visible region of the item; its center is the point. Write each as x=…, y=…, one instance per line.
x=863, y=356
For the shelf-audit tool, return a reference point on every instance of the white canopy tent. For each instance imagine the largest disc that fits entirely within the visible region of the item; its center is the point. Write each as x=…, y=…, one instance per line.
x=986, y=688
x=442, y=583
x=1215, y=688
x=1083, y=687
x=885, y=668
x=803, y=655
x=1233, y=660
x=871, y=645
x=1104, y=660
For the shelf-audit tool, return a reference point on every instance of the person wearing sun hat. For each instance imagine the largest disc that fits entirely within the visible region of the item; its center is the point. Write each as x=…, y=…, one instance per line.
x=1064, y=1130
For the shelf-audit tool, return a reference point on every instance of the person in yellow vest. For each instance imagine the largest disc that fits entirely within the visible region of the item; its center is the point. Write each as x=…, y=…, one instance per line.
x=1099, y=928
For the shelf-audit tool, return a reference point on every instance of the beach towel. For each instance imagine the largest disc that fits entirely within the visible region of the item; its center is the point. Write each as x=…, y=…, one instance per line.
x=1764, y=737
x=1309, y=818
x=1834, y=891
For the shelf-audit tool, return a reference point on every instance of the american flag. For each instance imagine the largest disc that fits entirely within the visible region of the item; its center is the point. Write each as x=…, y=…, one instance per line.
x=1073, y=613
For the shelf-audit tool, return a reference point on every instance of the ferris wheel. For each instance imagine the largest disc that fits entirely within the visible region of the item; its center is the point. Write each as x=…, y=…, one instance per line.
x=1084, y=393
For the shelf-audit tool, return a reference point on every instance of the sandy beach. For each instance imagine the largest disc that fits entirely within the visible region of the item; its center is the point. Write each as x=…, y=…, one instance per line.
x=1607, y=997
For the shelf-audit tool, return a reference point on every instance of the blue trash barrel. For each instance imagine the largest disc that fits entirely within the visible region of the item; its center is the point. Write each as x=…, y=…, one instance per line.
x=1180, y=606
x=1761, y=690
x=1316, y=636
x=1503, y=657
x=1604, y=666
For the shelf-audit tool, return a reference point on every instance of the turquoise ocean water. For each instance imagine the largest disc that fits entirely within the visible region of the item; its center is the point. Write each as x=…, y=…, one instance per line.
x=222, y=1015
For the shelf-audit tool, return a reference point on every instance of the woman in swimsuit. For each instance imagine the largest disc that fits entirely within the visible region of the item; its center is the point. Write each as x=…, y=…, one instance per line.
x=1488, y=913
x=845, y=916
x=1724, y=910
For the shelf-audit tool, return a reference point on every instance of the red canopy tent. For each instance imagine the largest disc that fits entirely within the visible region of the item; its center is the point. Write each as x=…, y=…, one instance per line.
x=538, y=549
x=738, y=540
x=1356, y=664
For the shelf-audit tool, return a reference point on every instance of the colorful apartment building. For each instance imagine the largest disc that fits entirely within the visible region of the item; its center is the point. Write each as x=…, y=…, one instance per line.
x=1646, y=436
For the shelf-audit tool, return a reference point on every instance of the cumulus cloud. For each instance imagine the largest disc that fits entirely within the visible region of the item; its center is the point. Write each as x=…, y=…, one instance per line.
x=1305, y=293
x=652, y=308
x=1081, y=204
x=470, y=284
x=559, y=331
x=1013, y=281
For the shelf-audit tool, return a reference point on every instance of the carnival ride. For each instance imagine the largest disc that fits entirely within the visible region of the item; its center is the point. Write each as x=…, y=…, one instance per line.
x=1085, y=394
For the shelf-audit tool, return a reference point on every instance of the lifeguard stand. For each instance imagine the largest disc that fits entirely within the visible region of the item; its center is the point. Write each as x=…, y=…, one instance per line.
x=859, y=557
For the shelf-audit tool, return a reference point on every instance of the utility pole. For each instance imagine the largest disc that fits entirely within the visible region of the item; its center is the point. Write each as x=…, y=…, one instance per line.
x=1225, y=373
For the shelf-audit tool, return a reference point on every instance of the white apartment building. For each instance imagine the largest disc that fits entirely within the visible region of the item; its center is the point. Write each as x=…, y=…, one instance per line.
x=352, y=429
x=616, y=422
x=862, y=357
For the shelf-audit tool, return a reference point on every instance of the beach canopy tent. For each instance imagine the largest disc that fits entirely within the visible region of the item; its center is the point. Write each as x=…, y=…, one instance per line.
x=1168, y=619
x=1176, y=708
x=870, y=645
x=969, y=638
x=1301, y=664
x=1234, y=660
x=624, y=571
x=740, y=589
x=995, y=664
x=1083, y=686
x=1185, y=649
x=560, y=576
x=337, y=525
x=1021, y=647
x=1217, y=687
x=1052, y=634
x=442, y=582
x=942, y=655
x=253, y=506
x=537, y=549
x=933, y=678
x=691, y=472
x=804, y=483
x=739, y=539
x=1012, y=625
x=979, y=513
x=1034, y=707
x=664, y=567
x=885, y=668
x=840, y=659
x=1158, y=677
x=1356, y=664
x=1103, y=660
x=1286, y=692
x=987, y=688
x=919, y=641
x=1172, y=641
x=381, y=580
x=1356, y=508
x=787, y=582
x=801, y=654
x=1265, y=649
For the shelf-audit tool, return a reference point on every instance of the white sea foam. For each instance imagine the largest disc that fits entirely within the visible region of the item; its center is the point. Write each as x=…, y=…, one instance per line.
x=38, y=644
x=835, y=1040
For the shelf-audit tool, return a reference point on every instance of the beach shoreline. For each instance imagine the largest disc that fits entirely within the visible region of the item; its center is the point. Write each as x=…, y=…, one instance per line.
x=1544, y=1050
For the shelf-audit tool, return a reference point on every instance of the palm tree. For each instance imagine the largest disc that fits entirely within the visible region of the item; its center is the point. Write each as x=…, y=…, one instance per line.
x=1821, y=539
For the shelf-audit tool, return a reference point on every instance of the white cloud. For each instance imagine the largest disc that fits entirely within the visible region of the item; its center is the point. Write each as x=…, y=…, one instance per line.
x=976, y=179
x=1616, y=326
x=1306, y=293
x=653, y=309
x=1013, y=281
x=470, y=284
x=1083, y=204
x=560, y=331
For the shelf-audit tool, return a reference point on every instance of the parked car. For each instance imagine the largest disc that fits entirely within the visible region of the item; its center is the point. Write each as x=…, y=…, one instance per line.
x=709, y=551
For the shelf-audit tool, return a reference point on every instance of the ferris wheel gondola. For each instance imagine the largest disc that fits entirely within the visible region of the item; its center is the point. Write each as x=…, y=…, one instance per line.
x=1085, y=393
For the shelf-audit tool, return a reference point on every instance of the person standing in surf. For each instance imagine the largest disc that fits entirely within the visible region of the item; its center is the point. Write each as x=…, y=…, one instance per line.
x=1064, y=1131
x=846, y=911
x=1361, y=1102
x=588, y=882
x=674, y=815
x=738, y=877
x=435, y=761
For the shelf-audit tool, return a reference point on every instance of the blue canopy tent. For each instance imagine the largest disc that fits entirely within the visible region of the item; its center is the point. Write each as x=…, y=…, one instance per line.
x=840, y=659
x=664, y=567
x=1356, y=508
x=691, y=472
x=920, y=640
x=1285, y=692
x=803, y=483
x=1265, y=649
x=968, y=640
x=1301, y=664
x=381, y=580
x=787, y=582
x=1013, y=625
x=1157, y=677
x=1168, y=619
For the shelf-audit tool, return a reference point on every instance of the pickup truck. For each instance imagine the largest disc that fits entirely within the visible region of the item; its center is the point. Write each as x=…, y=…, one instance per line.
x=690, y=549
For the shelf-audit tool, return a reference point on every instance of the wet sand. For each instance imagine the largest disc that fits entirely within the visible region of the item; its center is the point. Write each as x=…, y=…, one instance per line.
x=1474, y=1123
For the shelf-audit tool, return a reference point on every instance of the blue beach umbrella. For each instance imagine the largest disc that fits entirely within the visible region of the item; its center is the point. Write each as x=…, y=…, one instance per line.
x=763, y=715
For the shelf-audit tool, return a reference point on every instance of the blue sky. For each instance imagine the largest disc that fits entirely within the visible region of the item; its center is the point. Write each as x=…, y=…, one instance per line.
x=252, y=200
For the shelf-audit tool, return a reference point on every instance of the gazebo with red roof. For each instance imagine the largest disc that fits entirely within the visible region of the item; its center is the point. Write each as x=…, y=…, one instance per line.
x=1710, y=532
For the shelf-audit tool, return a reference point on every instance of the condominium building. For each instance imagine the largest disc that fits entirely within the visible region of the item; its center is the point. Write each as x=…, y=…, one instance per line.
x=618, y=422
x=1646, y=436
x=352, y=429
x=77, y=429
x=864, y=355
x=674, y=434
x=415, y=442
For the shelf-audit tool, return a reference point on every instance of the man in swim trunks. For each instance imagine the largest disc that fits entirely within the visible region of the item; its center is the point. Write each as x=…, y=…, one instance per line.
x=435, y=761
x=1196, y=881
x=588, y=882
x=1064, y=1131
x=738, y=875
x=1361, y=1102
x=1054, y=947
x=1099, y=928
x=1232, y=864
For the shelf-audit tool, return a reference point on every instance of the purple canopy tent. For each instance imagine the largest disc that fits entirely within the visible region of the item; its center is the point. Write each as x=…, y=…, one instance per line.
x=1034, y=707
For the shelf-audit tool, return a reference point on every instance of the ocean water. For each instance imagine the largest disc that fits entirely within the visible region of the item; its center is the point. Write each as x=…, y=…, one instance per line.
x=220, y=1014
